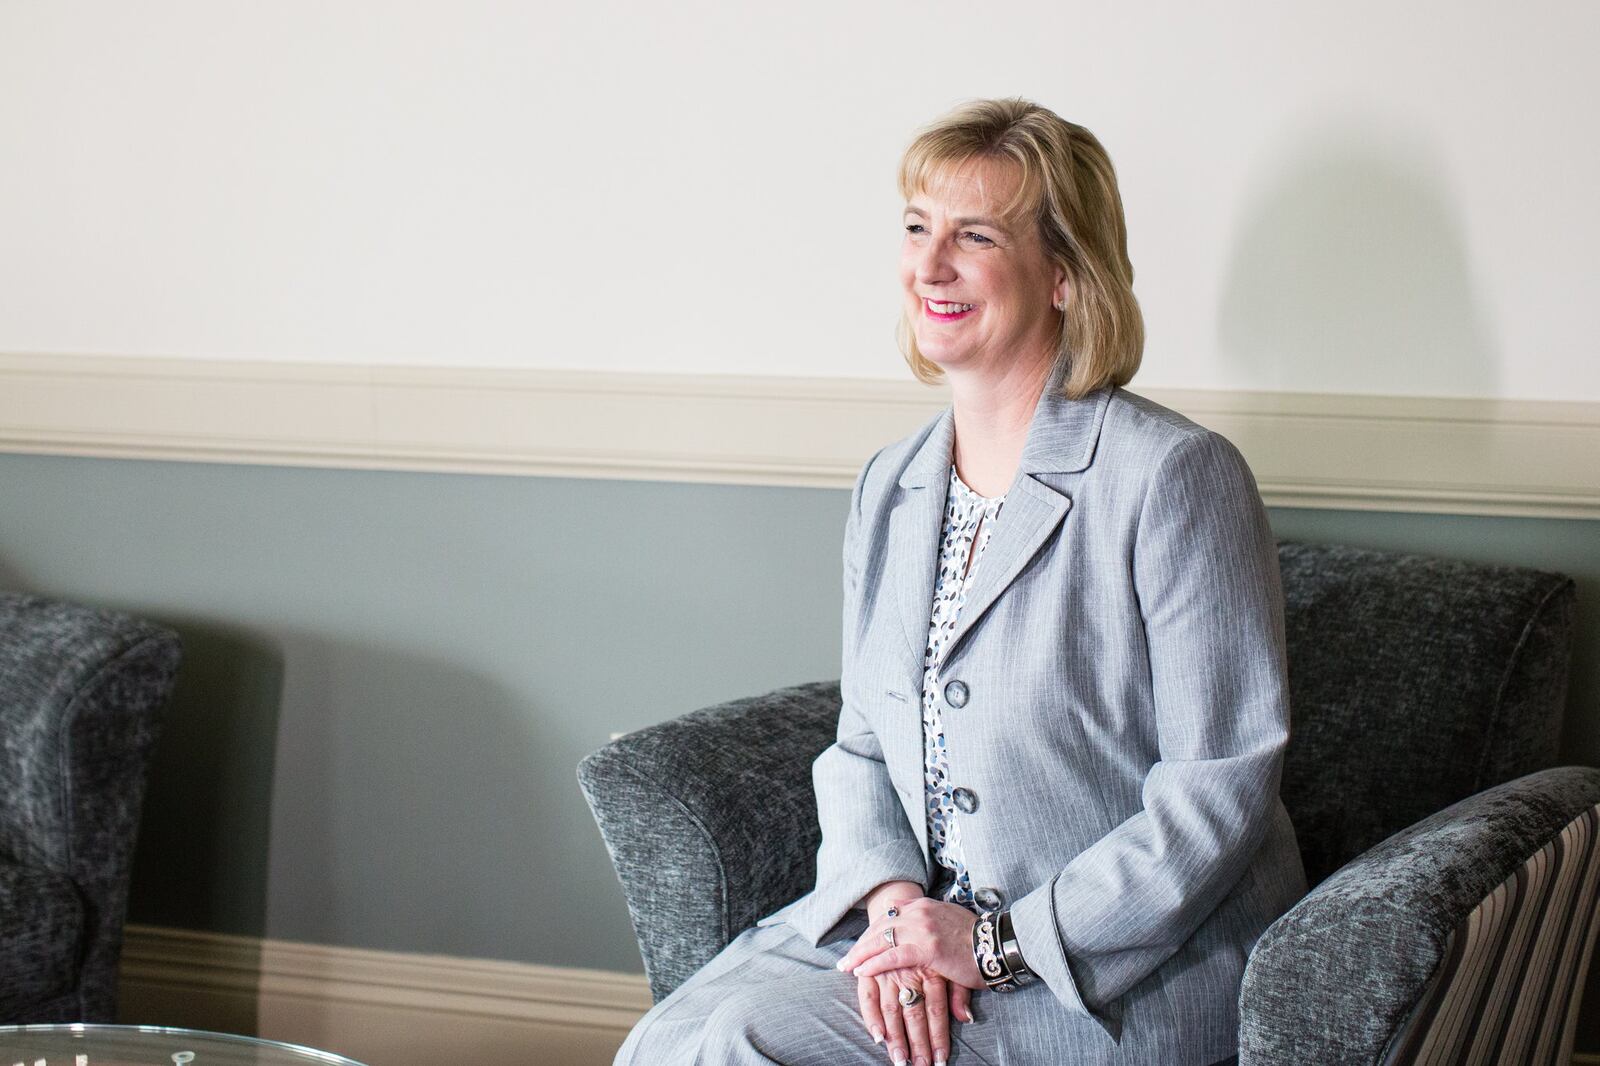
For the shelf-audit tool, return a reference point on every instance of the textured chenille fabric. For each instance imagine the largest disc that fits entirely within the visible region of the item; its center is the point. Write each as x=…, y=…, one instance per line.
x=1413, y=682
x=1339, y=978
x=80, y=695
x=41, y=930
x=1509, y=986
x=711, y=820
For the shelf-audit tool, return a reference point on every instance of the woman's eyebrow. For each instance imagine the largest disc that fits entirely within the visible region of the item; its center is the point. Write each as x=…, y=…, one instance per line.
x=973, y=220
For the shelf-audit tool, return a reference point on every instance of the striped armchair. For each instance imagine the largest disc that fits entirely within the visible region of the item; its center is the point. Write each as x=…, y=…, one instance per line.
x=1455, y=871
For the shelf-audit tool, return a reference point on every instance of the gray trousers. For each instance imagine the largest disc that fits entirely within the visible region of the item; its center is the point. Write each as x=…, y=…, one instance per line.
x=771, y=998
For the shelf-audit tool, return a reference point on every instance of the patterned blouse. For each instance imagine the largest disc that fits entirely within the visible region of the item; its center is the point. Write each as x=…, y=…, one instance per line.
x=967, y=516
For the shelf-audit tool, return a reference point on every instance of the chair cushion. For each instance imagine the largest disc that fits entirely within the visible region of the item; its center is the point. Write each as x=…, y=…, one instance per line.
x=41, y=935
x=1413, y=683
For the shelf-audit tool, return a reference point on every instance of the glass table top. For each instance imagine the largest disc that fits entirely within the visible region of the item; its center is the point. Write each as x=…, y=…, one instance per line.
x=147, y=1045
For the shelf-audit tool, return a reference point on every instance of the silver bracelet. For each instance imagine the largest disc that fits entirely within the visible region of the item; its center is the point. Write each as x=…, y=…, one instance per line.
x=987, y=954
x=1011, y=952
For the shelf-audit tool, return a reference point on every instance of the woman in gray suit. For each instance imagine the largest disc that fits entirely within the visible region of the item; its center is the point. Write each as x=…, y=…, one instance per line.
x=1055, y=779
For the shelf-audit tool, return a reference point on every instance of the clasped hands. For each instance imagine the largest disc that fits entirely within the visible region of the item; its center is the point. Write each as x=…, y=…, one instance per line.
x=932, y=955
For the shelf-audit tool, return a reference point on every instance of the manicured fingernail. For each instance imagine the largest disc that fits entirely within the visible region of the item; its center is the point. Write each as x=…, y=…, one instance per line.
x=941, y=1062
x=899, y=1060
x=839, y=966
x=877, y=1035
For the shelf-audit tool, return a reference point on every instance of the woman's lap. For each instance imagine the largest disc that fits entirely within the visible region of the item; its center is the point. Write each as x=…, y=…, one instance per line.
x=770, y=997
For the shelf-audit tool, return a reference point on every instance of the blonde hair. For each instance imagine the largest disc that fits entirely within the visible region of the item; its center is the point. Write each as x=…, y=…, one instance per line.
x=1069, y=188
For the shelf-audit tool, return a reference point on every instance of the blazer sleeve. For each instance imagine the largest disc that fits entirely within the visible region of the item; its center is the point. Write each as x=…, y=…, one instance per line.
x=1205, y=570
x=866, y=839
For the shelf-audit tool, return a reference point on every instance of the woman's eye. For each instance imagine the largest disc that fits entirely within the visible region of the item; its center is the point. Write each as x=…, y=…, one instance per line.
x=914, y=227
x=977, y=237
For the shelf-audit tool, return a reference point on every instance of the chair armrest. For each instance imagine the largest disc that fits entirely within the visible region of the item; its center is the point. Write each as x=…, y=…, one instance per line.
x=1339, y=975
x=81, y=692
x=711, y=820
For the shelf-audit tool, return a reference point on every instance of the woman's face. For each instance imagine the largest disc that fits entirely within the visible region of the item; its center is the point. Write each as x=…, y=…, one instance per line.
x=979, y=291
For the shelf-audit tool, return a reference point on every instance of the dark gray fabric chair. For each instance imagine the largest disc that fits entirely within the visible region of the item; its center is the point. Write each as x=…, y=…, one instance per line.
x=80, y=695
x=1427, y=698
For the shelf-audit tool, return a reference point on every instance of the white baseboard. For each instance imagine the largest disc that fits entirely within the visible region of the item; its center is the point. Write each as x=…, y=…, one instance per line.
x=1387, y=453
x=381, y=1008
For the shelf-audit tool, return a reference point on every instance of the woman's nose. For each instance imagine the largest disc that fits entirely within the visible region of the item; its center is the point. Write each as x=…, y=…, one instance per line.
x=933, y=264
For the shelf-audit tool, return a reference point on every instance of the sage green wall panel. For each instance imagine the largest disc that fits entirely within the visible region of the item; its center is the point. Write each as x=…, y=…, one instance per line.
x=390, y=677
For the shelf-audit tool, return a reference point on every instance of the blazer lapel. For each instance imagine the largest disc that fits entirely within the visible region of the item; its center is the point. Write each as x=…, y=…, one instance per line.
x=1030, y=515
x=914, y=528
x=1061, y=439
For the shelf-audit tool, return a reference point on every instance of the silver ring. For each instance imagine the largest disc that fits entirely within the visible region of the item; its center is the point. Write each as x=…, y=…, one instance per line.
x=910, y=997
x=888, y=934
x=892, y=912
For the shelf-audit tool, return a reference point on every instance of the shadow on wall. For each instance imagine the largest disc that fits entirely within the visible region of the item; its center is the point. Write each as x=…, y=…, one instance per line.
x=1348, y=271
x=201, y=858
x=201, y=862
x=419, y=811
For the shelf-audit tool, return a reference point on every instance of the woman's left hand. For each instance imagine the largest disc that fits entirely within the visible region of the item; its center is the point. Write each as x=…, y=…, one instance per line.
x=916, y=1033
x=931, y=937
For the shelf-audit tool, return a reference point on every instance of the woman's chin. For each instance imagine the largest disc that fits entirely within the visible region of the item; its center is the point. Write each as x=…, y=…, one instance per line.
x=941, y=353
x=946, y=360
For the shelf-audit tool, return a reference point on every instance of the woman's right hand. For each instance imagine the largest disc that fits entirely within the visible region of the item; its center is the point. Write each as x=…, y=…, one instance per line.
x=919, y=1033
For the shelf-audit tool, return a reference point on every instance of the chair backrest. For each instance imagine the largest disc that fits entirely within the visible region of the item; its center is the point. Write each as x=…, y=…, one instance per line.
x=1414, y=682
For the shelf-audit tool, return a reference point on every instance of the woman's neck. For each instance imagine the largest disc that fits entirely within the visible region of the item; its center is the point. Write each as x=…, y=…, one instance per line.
x=992, y=417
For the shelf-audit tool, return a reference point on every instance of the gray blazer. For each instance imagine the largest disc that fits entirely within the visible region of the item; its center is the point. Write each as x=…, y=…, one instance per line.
x=1122, y=724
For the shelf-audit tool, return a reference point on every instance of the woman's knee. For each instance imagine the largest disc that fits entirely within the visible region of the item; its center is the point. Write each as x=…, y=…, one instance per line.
x=783, y=1022
x=736, y=1023
x=730, y=1032
x=661, y=1038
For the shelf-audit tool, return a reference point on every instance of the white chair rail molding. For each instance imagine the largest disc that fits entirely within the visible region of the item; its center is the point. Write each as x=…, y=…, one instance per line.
x=1351, y=451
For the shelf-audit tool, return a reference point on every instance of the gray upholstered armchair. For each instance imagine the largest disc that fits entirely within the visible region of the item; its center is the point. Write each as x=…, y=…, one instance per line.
x=80, y=694
x=1455, y=871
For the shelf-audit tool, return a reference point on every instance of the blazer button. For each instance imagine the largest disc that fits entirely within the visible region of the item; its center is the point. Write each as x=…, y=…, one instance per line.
x=965, y=799
x=989, y=899
x=955, y=694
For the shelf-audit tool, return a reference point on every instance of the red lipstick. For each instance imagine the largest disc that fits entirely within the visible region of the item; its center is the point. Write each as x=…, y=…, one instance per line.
x=927, y=309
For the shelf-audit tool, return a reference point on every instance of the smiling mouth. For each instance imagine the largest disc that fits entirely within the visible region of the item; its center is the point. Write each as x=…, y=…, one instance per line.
x=945, y=312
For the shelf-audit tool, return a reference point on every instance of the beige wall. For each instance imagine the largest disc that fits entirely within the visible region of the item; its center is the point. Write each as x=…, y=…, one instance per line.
x=1345, y=197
